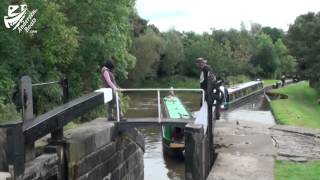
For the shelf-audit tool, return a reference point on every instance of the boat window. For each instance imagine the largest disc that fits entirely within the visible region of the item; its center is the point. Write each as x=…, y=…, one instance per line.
x=237, y=94
x=231, y=97
x=255, y=87
x=242, y=92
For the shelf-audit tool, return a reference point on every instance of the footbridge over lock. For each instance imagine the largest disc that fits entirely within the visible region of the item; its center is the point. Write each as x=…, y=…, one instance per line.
x=95, y=150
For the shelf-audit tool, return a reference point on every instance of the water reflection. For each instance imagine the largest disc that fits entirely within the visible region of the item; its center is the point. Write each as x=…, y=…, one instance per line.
x=176, y=167
x=157, y=166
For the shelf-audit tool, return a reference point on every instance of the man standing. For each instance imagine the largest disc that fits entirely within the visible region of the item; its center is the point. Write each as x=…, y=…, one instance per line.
x=110, y=82
x=207, y=77
x=206, y=72
x=202, y=64
x=283, y=80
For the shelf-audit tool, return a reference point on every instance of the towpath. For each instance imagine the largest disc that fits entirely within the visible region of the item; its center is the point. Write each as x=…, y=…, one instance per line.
x=247, y=151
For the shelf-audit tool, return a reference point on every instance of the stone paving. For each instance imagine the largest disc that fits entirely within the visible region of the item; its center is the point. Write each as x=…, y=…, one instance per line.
x=246, y=151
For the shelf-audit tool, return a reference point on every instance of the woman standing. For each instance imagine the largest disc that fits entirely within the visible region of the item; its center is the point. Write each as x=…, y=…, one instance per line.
x=110, y=82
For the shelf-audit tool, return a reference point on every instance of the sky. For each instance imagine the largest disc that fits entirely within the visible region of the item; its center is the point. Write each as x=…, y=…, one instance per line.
x=203, y=15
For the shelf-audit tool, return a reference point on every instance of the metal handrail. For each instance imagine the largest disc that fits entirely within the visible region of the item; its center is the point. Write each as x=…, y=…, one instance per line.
x=158, y=90
x=46, y=83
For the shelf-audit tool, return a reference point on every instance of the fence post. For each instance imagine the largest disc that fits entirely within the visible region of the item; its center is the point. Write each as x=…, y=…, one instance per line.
x=25, y=87
x=194, y=152
x=15, y=150
x=65, y=87
x=57, y=135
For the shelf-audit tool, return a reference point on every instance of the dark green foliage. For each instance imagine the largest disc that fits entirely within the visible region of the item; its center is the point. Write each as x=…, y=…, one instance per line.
x=228, y=52
x=173, y=53
x=265, y=56
x=104, y=32
x=287, y=63
x=274, y=33
x=147, y=48
x=271, y=59
x=73, y=40
x=41, y=56
x=138, y=24
x=303, y=40
x=238, y=47
x=199, y=46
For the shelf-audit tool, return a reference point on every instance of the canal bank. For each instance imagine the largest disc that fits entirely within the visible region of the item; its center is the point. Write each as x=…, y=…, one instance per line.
x=255, y=150
x=248, y=150
x=296, y=105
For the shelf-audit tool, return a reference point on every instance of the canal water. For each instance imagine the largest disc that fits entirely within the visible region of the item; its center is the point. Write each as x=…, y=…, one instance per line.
x=157, y=166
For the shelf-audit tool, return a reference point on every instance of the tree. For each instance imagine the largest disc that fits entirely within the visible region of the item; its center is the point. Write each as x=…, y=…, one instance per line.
x=287, y=63
x=104, y=32
x=41, y=56
x=274, y=33
x=200, y=46
x=73, y=40
x=265, y=57
x=148, y=49
x=139, y=25
x=303, y=40
x=237, y=49
x=173, y=53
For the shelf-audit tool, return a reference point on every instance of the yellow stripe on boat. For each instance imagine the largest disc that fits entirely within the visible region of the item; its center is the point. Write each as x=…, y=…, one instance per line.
x=176, y=145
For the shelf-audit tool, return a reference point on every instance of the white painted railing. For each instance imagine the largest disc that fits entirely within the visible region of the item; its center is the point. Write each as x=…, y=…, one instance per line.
x=5, y=175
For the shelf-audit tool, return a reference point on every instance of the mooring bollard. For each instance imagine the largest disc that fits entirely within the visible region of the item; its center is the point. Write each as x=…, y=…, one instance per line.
x=195, y=168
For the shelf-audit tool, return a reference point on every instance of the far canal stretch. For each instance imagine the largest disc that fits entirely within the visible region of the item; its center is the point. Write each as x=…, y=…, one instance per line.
x=255, y=109
x=161, y=167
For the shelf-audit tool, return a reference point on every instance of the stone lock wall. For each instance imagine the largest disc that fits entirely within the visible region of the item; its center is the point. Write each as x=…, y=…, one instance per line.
x=92, y=151
x=95, y=151
x=198, y=160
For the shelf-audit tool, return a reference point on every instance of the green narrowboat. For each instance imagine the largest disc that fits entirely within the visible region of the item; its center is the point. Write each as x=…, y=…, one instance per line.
x=173, y=136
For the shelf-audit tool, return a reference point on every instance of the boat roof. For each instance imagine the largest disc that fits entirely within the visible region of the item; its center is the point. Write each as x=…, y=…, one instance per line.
x=175, y=108
x=242, y=85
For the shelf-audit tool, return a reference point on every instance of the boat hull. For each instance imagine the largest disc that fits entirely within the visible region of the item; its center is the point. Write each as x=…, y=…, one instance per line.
x=176, y=151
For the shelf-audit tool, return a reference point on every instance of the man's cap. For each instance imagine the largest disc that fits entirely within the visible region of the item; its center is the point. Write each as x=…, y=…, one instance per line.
x=201, y=60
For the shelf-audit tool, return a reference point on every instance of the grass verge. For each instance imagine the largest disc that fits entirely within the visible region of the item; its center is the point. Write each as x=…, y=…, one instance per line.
x=8, y=114
x=71, y=125
x=234, y=80
x=300, y=109
x=286, y=170
x=269, y=82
